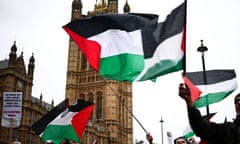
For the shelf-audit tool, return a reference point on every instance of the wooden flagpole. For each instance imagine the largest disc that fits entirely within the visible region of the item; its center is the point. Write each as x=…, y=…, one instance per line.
x=127, y=108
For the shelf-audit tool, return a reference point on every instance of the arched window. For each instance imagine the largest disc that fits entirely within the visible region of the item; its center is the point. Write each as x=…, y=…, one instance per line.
x=99, y=105
x=91, y=99
x=84, y=63
x=82, y=96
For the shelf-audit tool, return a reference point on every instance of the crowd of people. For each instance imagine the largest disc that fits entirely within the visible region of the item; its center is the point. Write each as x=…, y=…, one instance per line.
x=178, y=140
x=208, y=132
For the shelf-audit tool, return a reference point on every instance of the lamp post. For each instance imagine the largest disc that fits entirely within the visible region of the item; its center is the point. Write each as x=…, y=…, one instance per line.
x=161, y=121
x=202, y=49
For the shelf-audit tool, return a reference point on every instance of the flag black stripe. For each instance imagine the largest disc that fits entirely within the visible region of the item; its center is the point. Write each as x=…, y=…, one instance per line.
x=91, y=26
x=80, y=105
x=212, y=76
x=41, y=124
x=154, y=35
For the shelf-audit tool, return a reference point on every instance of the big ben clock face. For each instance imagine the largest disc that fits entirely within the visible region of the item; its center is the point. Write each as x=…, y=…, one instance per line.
x=19, y=84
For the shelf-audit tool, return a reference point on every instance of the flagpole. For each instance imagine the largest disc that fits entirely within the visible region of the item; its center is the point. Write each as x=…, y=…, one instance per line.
x=127, y=108
x=184, y=43
x=10, y=131
x=203, y=49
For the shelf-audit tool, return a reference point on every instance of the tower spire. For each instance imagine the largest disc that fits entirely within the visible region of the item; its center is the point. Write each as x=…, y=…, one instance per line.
x=13, y=54
x=126, y=8
x=31, y=66
x=76, y=9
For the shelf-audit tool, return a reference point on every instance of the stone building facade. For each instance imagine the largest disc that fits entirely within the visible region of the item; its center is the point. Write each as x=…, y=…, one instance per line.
x=14, y=77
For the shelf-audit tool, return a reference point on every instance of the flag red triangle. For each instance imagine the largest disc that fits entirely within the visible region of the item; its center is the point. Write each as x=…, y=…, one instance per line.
x=91, y=49
x=80, y=120
x=195, y=92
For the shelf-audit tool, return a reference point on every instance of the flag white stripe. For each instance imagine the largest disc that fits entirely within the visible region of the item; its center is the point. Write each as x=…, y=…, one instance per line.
x=65, y=120
x=228, y=85
x=167, y=50
x=115, y=42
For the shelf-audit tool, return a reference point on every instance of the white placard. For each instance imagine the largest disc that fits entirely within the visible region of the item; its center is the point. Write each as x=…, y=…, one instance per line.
x=12, y=105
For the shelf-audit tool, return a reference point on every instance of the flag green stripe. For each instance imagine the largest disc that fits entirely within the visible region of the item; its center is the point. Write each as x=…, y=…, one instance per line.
x=55, y=133
x=162, y=68
x=189, y=134
x=211, y=98
x=122, y=67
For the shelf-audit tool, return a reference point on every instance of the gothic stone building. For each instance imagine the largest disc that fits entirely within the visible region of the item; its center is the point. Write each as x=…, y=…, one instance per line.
x=15, y=78
x=111, y=121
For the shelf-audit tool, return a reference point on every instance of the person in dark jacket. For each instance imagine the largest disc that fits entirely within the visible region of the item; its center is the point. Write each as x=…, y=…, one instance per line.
x=217, y=133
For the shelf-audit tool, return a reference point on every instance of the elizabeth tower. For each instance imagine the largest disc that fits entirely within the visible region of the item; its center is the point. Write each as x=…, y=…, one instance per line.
x=111, y=121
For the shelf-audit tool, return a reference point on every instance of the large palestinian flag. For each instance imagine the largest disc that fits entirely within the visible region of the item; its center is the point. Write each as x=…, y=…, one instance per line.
x=217, y=86
x=132, y=47
x=64, y=122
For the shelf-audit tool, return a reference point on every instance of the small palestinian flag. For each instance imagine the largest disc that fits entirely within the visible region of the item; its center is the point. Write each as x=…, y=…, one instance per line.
x=218, y=85
x=63, y=122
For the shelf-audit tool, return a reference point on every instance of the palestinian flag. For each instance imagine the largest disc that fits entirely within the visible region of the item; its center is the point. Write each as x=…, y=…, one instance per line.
x=132, y=47
x=168, y=56
x=64, y=122
x=219, y=84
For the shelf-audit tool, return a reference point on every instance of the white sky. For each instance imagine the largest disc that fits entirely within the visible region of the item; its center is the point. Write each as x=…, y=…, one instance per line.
x=37, y=28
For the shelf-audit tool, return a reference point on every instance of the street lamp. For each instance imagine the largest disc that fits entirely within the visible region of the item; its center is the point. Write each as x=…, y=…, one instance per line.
x=161, y=121
x=202, y=49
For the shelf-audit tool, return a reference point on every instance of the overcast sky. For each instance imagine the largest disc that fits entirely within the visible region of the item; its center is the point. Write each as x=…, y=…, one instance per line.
x=37, y=28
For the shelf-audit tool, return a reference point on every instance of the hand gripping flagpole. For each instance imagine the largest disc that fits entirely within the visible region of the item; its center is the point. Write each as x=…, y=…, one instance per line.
x=127, y=108
x=203, y=49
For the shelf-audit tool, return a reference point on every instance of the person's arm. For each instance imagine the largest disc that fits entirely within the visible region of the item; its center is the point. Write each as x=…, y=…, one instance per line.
x=149, y=138
x=206, y=130
x=194, y=115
